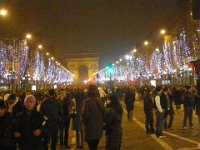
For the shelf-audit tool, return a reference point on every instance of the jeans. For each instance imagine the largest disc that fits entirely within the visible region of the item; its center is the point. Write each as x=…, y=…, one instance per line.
x=171, y=115
x=149, y=121
x=130, y=115
x=188, y=115
x=159, y=123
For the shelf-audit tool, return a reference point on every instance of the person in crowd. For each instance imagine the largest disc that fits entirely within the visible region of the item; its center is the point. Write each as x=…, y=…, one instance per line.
x=7, y=140
x=93, y=116
x=102, y=94
x=66, y=116
x=177, y=97
x=79, y=97
x=167, y=107
x=129, y=101
x=76, y=123
x=28, y=126
x=188, y=102
x=15, y=106
x=113, y=121
x=52, y=110
x=60, y=97
x=65, y=99
x=159, y=112
x=148, y=110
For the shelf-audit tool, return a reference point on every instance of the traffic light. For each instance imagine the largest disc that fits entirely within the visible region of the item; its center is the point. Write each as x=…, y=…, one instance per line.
x=110, y=69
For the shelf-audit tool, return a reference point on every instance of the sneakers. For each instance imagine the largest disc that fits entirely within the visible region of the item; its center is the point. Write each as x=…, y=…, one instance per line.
x=161, y=137
x=184, y=128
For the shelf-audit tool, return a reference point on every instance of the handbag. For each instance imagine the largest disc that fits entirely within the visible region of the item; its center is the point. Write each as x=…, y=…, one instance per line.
x=72, y=112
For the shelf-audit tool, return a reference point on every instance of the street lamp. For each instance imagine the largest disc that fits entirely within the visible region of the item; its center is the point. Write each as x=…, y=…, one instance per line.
x=146, y=43
x=3, y=12
x=134, y=50
x=28, y=36
x=162, y=31
x=40, y=46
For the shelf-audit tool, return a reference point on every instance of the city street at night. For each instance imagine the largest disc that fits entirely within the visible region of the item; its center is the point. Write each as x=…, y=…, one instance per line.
x=99, y=74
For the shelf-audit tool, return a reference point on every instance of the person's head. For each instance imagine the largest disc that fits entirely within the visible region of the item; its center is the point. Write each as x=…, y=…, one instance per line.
x=189, y=88
x=93, y=91
x=52, y=92
x=12, y=98
x=2, y=108
x=148, y=91
x=30, y=102
x=113, y=99
x=158, y=89
x=166, y=89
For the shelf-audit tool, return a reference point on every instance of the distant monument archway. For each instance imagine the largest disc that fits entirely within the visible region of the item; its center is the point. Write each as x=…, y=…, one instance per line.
x=83, y=73
x=83, y=65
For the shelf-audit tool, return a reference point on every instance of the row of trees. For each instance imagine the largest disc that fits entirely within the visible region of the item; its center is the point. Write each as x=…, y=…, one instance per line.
x=20, y=62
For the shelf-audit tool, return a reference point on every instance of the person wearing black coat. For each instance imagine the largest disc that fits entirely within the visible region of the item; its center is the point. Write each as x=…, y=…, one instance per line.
x=167, y=107
x=7, y=140
x=64, y=132
x=188, y=102
x=177, y=94
x=51, y=108
x=148, y=110
x=114, y=114
x=129, y=101
x=28, y=126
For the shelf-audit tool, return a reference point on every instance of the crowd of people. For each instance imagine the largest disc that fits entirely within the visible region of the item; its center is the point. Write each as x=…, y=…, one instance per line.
x=41, y=120
x=163, y=100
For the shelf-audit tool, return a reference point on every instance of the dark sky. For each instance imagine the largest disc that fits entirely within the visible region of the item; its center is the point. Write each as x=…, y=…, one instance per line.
x=109, y=27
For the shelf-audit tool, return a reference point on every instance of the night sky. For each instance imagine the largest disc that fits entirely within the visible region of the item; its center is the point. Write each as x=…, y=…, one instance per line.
x=108, y=27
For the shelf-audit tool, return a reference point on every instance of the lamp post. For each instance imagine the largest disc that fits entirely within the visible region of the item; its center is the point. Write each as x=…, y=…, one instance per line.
x=110, y=71
x=3, y=12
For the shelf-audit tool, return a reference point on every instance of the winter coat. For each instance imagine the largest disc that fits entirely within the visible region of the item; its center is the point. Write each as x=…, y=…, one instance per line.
x=165, y=104
x=93, y=115
x=26, y=123
x=76, y=120
x=113, y=128
x=52, y=109
x=188, y=99
x=66, y=107
x=177, y=94
x=129, y=100
x=148, y=103
x=7, y=140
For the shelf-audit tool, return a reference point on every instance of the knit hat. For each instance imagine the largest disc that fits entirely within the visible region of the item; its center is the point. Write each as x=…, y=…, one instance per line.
x=2, y=104
x=30, y=98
